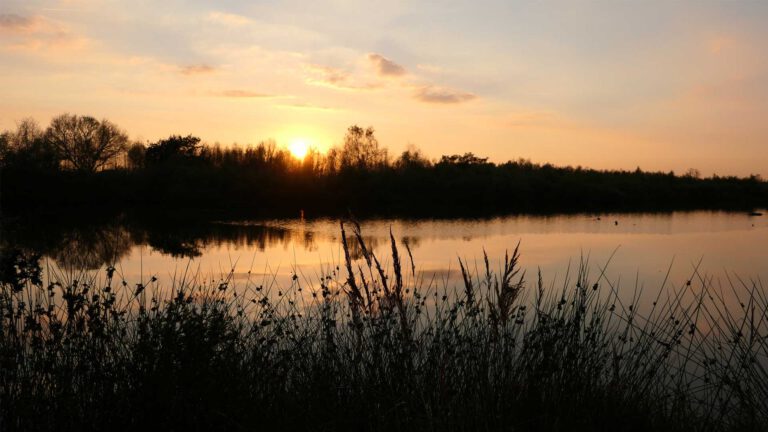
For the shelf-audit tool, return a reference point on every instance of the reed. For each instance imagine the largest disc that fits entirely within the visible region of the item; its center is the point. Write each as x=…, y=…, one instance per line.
x=368, y=346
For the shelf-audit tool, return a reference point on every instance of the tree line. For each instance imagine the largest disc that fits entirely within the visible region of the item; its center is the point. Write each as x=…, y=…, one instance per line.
x=79, y=161
x=87, y=145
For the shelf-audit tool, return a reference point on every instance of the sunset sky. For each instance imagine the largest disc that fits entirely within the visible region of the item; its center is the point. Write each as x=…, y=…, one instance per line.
x=661, y=85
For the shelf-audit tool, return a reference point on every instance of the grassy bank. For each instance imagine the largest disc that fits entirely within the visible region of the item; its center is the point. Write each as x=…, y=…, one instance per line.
x=373, y=345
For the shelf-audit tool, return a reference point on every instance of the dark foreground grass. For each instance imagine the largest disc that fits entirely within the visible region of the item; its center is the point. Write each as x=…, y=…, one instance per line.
x=374, y=346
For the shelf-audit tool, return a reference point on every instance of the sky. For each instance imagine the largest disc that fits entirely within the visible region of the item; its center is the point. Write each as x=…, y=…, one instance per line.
x=658, y=85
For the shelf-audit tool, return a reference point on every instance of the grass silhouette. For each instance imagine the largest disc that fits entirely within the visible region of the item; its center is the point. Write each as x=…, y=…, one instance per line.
x=371, y=344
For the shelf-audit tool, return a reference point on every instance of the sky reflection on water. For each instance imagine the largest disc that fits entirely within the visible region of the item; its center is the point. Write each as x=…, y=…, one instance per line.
x=641, y=247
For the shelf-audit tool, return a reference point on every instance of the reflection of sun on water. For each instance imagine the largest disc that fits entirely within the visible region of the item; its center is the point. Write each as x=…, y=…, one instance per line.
x=298, y=148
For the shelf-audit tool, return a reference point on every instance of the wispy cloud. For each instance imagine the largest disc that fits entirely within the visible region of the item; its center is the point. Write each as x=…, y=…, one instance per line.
x=38, y=35
x=308, y=106
x=243, y=94
x=198, y=69
x=438, y=95
x=336, y=78
x=330, y=75
x=229, y=19
x=16, y=23
x=385, y=66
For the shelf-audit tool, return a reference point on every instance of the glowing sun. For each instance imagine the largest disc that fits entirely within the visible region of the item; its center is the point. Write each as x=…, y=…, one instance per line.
x=299, y=149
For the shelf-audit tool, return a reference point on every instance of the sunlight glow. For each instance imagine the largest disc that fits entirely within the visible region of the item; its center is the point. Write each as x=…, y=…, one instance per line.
x=299, y=148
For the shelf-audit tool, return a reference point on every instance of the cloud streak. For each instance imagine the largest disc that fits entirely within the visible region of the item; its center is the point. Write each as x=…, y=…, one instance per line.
x=437, y=95
x=243, y=94
x=198, y=69
x=308, y=106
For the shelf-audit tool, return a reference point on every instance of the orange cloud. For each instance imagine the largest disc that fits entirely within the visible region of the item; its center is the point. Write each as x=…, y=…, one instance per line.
x=385, y=66
x=38, y=35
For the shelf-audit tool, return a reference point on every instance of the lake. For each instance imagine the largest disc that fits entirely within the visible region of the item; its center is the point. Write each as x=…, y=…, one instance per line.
x=637, y=250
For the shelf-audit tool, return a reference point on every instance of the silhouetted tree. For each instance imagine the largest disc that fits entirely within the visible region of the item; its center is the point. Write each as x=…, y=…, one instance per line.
x=174, y=147
x=5, y=145
x=361, y=150
x=412, y=157
x=27, y=133
x=26, y=149
x=692, y=173
x=136, y=155
x=465, y=159
x=21, y=140
x=84, y=142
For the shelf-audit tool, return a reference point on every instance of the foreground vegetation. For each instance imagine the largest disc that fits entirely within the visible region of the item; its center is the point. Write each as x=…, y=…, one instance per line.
x=82, y=162
x=373, y=345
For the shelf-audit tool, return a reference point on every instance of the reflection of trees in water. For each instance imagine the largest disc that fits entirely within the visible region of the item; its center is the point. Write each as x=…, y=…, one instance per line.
x=71, y=245
x=99, y=244
x=310, y=244
x=189, y=241
x=412, y=242
x=92, y=248
x=371, y=243
x=259, y=236
x=374, y=243
x=170, y=243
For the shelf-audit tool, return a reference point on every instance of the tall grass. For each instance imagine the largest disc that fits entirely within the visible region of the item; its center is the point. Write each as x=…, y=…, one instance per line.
x=373, y=344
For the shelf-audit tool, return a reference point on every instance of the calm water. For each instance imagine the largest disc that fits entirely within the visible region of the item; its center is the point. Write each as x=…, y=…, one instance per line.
x=644, y=247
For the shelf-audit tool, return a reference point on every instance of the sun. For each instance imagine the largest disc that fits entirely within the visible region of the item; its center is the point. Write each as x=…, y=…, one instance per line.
x=298, y=148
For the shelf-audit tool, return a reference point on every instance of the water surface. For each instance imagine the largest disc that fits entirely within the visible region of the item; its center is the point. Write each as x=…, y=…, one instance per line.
x=636, y=250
